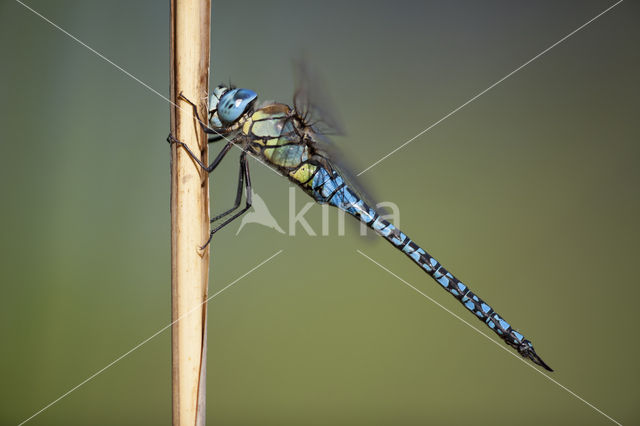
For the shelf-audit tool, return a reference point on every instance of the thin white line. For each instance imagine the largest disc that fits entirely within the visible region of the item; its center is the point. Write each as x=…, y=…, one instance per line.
x=134, y=77
x=147, y=339
x=496, y=343
x=490, y=87
x=99, y=54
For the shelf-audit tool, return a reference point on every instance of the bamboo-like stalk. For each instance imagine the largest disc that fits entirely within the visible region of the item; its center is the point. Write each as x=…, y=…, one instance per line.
x=190, y=29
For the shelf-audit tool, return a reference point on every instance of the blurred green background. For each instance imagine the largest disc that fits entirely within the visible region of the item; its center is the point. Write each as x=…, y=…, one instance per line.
x=529, y=195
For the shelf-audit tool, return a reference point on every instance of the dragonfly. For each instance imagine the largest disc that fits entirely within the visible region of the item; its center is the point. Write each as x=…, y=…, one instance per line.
x=287, y=140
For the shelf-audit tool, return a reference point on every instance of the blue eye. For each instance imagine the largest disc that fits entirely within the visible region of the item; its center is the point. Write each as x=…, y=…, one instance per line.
x=234, y=103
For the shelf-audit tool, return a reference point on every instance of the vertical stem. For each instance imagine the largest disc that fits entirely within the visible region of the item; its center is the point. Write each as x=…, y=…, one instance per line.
x=190, y=29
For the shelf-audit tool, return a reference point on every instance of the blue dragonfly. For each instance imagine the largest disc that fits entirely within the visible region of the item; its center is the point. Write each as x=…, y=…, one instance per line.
x=287, y=139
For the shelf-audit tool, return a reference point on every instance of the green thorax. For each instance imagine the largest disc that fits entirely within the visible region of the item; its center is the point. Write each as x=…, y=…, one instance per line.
x=276, y=135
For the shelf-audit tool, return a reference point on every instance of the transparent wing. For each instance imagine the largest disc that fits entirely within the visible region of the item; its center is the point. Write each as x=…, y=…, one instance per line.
x=311, y=100
x=312, y=103
x=336, y=161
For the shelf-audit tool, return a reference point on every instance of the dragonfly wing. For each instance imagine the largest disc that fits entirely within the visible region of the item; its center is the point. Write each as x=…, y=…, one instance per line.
x=312, y=104
x=335, y=160
x=312, y=101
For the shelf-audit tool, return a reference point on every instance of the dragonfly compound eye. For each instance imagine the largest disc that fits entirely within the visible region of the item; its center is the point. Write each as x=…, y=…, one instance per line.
x=234, y=103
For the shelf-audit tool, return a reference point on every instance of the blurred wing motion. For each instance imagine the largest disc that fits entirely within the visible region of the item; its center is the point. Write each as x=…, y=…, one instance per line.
x=312, y=103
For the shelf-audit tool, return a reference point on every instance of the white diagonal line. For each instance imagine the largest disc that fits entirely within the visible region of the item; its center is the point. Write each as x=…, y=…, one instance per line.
x=100, y=55
x=97, y=53
x=496, y=343
x=490, y=87
x=91, y=377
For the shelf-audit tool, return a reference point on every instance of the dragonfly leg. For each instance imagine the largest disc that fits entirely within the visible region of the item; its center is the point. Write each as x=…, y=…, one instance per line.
x=211, y=166
x=238, y=196
x=247, y=181
x=215, y=138
x=205, y=128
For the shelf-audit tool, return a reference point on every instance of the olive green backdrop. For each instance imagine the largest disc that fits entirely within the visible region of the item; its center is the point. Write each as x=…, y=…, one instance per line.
x=529, y=194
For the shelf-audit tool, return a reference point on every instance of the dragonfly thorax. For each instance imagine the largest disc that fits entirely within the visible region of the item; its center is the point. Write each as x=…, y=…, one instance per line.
x=227, y=105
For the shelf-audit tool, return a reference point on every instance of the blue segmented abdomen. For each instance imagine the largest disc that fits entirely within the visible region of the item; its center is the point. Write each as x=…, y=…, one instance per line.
x=331, y=188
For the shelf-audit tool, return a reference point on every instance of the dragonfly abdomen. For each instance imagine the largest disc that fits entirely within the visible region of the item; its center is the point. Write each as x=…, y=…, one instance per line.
x=331, y=188
x=284, y=139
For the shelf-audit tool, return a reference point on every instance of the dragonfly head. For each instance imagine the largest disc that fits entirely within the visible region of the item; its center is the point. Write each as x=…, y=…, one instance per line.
x=226, y=105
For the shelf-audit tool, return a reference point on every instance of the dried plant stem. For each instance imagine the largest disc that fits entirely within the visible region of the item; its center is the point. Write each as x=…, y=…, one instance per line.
x=190, y=29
